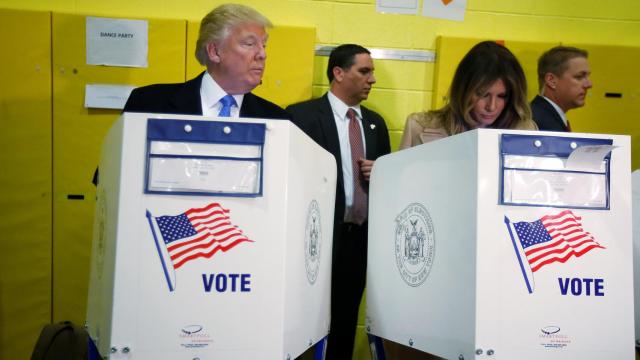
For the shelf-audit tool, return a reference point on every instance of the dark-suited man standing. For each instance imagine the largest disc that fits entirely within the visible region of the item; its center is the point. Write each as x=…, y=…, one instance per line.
x=356, y=136
x=231, y=44
x=563, y=77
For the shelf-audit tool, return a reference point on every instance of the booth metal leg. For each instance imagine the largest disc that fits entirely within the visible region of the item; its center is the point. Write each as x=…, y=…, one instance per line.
x=320, y=349
x=376, y=347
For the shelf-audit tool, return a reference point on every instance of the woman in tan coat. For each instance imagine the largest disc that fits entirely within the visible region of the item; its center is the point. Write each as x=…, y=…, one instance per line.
x=489, y=90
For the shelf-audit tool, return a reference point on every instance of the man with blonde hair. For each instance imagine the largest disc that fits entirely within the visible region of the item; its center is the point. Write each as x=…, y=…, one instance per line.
x=563, y=77
x=231, y=45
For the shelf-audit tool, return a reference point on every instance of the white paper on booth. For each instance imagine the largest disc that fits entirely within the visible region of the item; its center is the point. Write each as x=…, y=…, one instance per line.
x=588, y=158
x=205, y=149
x=117, y=42
x=555, y=188
x=204, y=175
x=578, y=181
x=106, y=96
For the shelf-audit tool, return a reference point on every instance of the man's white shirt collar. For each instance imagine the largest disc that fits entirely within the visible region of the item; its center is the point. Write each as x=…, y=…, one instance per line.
x=210, y=95
x=340, y=108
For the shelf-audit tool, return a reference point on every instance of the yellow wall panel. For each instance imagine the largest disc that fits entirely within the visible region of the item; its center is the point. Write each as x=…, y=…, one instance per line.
x=315, y=14
x=339, y=21
x=395, y=137
x=451, y=50
x=403, y=75
x=521, y=6
x=77, y=138
x=25, y=180
x=289, y=71
x=614, y=70
x=398, y=31
x=394, y=106
x=594, y=9
x=320, y=64
x=318, y=91
x=525, y=27
x=418, y=32
x=289, y=68
x=193, y=67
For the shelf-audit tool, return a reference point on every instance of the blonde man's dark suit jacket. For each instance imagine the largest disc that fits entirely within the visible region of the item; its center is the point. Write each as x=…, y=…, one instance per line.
x=546, y=116
x=184, y=98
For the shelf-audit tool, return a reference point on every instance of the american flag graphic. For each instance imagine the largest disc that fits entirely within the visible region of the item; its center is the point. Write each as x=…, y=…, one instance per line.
x=554, y=238
x=198, y=233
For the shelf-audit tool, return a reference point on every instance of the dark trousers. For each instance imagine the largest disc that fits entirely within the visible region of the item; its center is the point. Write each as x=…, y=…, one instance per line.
x=348, y=278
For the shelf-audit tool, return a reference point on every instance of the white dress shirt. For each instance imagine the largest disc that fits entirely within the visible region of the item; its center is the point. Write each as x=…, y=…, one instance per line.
x=342, y=123
x=210, y=95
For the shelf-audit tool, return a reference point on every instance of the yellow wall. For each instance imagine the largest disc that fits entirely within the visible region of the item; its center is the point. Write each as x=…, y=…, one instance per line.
x=25, y=182
x=402, y=87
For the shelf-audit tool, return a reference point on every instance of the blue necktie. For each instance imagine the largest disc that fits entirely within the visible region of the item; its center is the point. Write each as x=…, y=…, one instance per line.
x=227, y=102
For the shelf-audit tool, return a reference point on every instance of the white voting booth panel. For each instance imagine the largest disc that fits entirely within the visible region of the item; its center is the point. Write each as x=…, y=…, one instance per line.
x=635, y=185
x=212, y=240
x=498, y=244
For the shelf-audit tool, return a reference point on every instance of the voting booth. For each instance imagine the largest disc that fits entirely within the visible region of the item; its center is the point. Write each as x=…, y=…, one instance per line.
x=498, y=244
x=212, y=240
x=635, y=185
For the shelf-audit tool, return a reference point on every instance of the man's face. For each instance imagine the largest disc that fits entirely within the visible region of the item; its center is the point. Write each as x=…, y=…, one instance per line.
x=356, y=81
x=237, y=64
x=571, y=88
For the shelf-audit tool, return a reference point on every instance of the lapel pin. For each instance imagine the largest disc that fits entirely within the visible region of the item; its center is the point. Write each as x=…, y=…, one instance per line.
x=373, y=126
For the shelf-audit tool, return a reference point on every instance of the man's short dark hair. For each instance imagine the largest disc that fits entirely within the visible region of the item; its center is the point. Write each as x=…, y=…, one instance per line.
x=344, y=57
x=556, y=61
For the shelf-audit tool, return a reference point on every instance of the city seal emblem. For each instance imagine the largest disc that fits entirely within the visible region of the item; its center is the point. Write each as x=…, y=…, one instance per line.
x=312, y=242
x=415, y=244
